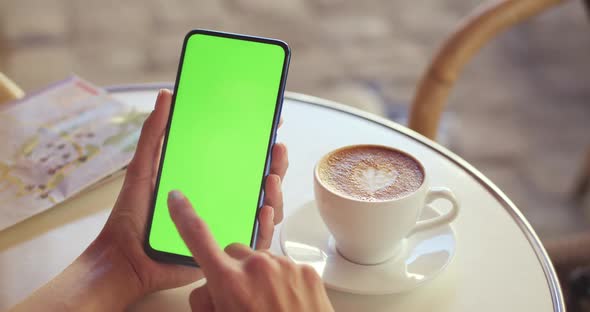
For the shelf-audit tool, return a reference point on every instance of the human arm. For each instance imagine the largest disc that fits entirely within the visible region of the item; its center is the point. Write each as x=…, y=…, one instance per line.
x=114, y=270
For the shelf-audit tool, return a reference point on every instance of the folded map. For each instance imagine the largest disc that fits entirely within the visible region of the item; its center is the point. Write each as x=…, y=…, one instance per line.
x=58, y=142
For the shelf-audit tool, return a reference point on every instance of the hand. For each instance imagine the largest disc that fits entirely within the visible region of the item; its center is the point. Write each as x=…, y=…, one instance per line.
x=242, y=279
x=124, y=232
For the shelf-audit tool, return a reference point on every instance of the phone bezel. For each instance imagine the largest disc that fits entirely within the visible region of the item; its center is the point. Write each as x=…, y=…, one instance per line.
x=185, y=260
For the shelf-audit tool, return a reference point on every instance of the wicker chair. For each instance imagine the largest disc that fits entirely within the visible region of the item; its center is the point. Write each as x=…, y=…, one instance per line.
x=433, y=91
x=477, y=29
x=9, y=90
x=583, y=184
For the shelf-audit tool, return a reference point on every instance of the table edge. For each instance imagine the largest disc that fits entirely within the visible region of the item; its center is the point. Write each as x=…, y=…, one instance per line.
x=513, y=211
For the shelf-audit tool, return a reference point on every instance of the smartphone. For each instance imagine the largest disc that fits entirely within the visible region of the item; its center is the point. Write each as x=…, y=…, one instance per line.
x=222, y=126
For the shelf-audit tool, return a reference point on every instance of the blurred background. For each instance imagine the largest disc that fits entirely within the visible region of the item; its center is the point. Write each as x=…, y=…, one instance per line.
x=520, y=112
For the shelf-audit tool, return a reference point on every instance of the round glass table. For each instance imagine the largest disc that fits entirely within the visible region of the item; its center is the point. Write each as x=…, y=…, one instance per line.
x=499, y=265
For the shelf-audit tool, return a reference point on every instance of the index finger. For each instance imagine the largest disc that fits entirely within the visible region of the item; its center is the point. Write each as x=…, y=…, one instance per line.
x=195, y=233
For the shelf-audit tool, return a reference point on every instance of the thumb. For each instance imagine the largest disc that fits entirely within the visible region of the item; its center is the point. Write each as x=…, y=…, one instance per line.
x=200, y=300
x=146, y=154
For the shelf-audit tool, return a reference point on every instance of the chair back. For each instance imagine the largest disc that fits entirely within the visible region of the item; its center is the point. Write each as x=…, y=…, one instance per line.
x=471, y=35
x=9, y=91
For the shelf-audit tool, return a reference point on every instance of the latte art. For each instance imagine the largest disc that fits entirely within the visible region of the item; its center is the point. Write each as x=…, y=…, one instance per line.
x=371, y=172
x=373, y=179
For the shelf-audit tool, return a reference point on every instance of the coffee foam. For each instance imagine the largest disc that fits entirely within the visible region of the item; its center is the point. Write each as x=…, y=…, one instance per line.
x=371, y=173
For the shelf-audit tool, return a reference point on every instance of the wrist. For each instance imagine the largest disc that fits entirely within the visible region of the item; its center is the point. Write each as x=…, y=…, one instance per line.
x=99, y=280
x=110, y=275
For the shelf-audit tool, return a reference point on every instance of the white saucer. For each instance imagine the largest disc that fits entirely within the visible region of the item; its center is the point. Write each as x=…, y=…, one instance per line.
x=306, y=240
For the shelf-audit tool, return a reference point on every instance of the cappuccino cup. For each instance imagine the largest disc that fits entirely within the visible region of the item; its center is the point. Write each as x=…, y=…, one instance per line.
x=371, y=197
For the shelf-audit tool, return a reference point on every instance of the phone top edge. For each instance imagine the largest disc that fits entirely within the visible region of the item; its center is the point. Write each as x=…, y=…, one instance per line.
x=216, y=33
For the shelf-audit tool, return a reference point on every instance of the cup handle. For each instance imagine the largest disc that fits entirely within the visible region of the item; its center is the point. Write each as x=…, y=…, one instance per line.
x=433, y=194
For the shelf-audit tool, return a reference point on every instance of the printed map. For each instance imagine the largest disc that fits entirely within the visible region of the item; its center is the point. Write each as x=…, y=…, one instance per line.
x=58, y=142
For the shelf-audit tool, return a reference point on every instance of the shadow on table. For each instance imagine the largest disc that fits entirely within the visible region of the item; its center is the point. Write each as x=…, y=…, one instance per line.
x=428, y=297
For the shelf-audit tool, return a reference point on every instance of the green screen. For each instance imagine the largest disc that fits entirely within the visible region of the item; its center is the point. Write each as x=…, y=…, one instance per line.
x=219, y=136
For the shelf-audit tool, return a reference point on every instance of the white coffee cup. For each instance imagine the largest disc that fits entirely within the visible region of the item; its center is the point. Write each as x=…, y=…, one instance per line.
x=371, y=232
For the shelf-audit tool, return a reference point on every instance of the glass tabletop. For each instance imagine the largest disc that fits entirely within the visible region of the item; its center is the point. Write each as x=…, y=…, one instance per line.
x=500, y=263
